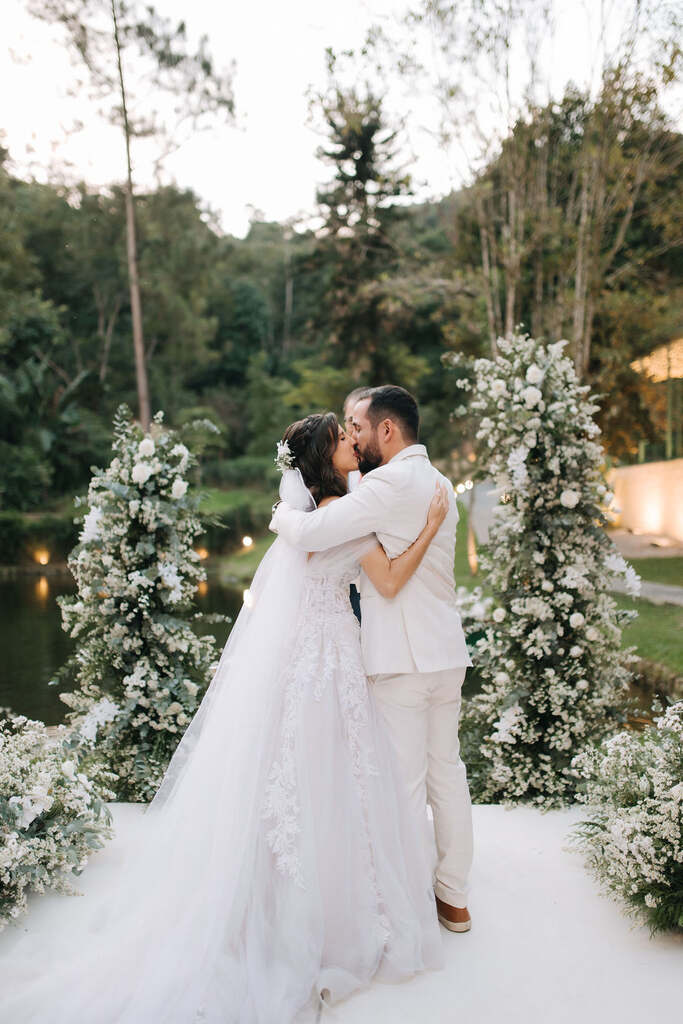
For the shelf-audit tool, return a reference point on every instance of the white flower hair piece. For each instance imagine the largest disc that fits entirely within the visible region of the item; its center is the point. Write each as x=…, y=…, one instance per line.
x=284, y=458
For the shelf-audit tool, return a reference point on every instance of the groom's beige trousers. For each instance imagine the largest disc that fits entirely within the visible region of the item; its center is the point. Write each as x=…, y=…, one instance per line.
x=422, y=712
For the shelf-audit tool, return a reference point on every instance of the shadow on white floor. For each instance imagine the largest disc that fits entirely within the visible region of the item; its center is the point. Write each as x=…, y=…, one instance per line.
x=545, y=947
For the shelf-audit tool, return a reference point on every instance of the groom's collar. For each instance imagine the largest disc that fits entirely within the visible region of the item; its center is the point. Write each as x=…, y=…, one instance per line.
x=408, y=452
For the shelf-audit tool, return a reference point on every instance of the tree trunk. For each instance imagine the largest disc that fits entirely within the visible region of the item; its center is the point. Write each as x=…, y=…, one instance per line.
x=131, y=249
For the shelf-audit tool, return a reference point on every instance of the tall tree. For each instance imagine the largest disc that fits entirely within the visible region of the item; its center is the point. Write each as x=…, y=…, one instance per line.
x=488, y=71
x=120, y=43
x=358, y=207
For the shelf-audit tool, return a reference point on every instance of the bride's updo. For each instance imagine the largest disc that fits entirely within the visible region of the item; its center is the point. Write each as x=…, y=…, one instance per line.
x=312, y=442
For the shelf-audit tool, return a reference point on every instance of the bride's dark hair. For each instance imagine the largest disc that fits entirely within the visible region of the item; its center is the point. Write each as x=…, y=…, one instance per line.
x=312, y=442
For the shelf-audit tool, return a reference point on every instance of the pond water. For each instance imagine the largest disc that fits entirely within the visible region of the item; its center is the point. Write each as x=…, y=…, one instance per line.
x=34, y=645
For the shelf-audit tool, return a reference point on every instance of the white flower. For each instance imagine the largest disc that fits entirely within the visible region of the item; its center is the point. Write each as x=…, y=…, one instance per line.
x=576, y=619
x=498, y=614
x=181, y=450
x=69, y=769
x=517, y=465
x=146, y=447
x=90, y=529
x=179, y=488
x=592, y=634
x=284, y=458
x=498, y=389
x=531, y=396
x=632, y=581
x=576, y=651
x=501, y=678
x=191, y=687
x=503, y=730
x=141, y=472
x=569, y=498
x=534, y=374
x=539, y=557
x=478, y=610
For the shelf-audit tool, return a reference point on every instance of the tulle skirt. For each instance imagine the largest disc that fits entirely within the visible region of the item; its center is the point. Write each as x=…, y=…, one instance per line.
x=284, y=864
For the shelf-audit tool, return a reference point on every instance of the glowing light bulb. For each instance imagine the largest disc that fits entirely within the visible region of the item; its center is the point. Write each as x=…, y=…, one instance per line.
x=247, y=542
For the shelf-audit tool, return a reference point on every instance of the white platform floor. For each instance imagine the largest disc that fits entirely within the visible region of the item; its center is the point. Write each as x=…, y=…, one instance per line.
x=545, y=946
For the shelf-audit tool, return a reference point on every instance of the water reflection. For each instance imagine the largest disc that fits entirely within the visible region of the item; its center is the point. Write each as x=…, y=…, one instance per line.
x=34, y=645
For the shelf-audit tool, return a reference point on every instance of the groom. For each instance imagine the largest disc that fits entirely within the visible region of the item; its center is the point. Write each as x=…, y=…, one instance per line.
x=413, y=645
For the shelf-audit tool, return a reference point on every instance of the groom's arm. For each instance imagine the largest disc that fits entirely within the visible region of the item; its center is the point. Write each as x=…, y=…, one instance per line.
x=365, y=510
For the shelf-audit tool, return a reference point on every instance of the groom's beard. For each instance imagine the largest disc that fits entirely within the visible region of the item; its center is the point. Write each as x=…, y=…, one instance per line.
x=370, y=457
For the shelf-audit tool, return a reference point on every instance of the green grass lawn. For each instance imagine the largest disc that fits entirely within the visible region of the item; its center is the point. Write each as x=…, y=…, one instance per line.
x=214, y=500
x=656, y=632
x=660, y=570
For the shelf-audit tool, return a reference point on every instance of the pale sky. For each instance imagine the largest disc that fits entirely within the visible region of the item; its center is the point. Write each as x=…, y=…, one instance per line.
x=267, y=161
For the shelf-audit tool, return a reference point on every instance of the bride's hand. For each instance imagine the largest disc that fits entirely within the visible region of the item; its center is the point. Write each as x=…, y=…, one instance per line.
x=438, y=509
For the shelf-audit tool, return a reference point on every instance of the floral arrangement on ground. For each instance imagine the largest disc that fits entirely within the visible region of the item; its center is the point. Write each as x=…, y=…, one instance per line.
x=633, y=838
x=52, y=816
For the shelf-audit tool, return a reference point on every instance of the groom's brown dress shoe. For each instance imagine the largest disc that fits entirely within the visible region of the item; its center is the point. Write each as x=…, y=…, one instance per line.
x=456, y=919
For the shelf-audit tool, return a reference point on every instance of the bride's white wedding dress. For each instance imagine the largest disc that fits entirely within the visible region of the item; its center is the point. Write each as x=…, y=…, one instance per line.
x=277, y=859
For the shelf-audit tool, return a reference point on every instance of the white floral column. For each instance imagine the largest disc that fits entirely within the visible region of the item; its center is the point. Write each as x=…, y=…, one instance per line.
x=551, y=657
x=140, y=667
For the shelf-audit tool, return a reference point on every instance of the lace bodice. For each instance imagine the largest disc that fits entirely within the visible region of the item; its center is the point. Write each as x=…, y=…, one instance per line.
x=329, y=574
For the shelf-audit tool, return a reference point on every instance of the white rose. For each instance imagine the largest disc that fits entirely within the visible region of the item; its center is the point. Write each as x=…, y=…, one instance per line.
x=539, y=557
x=592, y=633
x=576, y=619
x=498, y=389
x=534, y=374
x=179, y=488
x=531, y=396
x=498, y=614
x=576, y=651
x=501, y=678
x=582, y=684
x=569, y=499
x=141, y=473
x=146, y=447
x=69, y=769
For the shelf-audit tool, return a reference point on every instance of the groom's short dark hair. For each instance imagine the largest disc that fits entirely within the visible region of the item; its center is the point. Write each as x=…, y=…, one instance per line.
x=394, y=403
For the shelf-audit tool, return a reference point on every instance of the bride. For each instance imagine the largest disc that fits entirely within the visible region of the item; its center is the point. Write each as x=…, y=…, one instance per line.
x=276, y=869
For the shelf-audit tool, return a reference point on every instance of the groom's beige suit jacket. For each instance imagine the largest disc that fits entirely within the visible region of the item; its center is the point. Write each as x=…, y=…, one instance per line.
x=419, y=630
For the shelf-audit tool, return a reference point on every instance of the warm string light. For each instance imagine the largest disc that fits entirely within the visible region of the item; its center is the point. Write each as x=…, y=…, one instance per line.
x=42, y=556
x=247, y=542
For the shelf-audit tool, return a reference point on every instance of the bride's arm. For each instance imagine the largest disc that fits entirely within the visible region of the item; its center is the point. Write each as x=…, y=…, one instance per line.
x=388, y=575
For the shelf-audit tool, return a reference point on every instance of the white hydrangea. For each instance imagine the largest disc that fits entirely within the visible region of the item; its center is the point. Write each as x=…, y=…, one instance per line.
x=146, y=447
x=531, y=396
x=534, y=374
x=569, y=498
x=141, y=473
x=179, y=488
